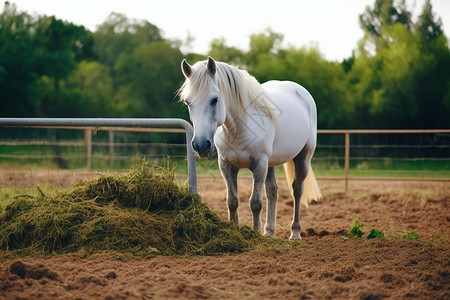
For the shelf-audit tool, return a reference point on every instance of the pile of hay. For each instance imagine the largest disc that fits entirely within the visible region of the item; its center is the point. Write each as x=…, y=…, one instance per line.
x=141, y=212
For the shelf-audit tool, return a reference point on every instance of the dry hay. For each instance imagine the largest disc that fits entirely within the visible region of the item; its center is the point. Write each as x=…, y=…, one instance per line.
x=142, y=212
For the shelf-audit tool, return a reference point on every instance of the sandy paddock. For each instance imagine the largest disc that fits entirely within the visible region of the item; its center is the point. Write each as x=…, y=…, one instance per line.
x=322, y=266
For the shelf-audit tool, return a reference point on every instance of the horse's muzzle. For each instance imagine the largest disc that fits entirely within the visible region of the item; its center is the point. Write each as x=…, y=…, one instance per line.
x=203, y=148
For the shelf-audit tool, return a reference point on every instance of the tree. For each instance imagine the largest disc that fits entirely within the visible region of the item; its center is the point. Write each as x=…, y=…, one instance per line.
x=404, y=83
x=263, y=46
x=433, y=75
x=92, y=81
x=31, y=49
x=267, y=60
x=149, y=77
x=428, y=27
x=398, y=77
x=19, y=88
x=324, y=80
x=384, y=13
x=221, y=52
x=118, y=34
x=58, y=44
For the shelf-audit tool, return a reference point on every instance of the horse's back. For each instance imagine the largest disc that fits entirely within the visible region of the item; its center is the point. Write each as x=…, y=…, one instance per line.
x=290, y=90
x=297, y=117
x=288, y=95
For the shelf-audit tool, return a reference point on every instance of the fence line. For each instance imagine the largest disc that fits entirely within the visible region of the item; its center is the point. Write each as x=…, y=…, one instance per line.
x=91, y=125
x=347, y=134
x=377, y=131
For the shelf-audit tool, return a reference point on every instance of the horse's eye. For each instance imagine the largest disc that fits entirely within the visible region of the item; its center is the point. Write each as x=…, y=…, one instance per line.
x=214, y=101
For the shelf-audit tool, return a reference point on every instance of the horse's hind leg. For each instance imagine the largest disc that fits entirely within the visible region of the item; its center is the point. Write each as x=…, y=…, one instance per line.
x=302, y=164
x=271, y=195
x=229, y=173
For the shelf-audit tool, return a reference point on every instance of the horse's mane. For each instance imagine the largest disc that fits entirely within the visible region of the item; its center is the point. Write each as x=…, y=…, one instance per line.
x=236, y=87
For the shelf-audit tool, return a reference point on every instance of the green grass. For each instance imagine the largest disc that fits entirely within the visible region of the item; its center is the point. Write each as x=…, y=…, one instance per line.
x=386, y=168
x=383, y=173
x=25, y=157
x=75, y=157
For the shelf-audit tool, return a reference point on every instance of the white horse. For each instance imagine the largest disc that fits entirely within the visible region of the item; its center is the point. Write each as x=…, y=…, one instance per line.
x=256, y=127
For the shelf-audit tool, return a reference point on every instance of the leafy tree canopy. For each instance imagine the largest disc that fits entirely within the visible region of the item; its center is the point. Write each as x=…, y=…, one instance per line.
x=398, y=75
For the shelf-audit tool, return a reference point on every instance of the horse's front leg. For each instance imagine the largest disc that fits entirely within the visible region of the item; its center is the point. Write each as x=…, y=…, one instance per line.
x=229, y=173
x=259, y=169
x=271, y=209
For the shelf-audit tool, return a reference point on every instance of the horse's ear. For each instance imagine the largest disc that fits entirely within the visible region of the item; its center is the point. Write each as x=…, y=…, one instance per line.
x=211, y=66
x=186, y=68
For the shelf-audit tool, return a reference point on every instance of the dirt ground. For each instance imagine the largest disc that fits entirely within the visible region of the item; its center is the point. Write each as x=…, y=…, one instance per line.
x=321, y=266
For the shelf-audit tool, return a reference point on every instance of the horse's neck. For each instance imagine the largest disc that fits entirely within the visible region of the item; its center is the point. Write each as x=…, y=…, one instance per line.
x=234, y=122
x=237, y=117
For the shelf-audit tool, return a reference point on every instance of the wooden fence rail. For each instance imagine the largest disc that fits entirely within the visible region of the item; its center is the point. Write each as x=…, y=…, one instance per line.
x=89, y=131
x=347, y=134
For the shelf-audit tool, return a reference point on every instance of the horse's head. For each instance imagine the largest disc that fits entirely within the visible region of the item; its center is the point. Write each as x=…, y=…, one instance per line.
x=200, y=92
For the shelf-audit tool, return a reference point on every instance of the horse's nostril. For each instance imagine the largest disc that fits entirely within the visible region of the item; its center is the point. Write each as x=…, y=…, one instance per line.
x=202, y=147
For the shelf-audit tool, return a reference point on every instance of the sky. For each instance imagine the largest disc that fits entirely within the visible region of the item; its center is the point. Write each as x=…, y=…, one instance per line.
x=332, y=25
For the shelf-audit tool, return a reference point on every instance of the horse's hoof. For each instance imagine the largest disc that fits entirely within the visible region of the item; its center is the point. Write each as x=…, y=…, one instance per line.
x=295, y=236
x=269, y=232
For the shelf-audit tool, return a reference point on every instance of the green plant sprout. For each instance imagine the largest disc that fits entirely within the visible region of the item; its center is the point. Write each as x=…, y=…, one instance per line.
x=411, y=236
x=356, y=230
x=375, y=234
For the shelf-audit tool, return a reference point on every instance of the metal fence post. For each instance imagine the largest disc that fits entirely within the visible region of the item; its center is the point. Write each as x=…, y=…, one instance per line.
x=191, y=157
x=111, y=148
x=88, y=140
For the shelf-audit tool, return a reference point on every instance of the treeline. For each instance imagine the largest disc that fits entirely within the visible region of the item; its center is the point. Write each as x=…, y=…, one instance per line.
x=398, y=76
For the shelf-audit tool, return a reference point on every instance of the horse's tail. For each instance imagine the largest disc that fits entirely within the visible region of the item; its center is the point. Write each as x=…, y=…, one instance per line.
x=311, y=190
